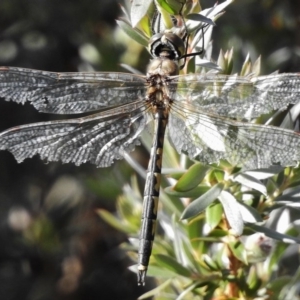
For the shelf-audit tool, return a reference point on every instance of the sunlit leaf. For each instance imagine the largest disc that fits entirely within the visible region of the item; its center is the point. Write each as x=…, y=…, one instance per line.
x=251, y=182
x=264, y=173
x=139, y=9
x=249, y=214
x=292, y=194
x=200, y=18
x=208, y=64
x=232, y=212
x=256, y=67
x=212, y=13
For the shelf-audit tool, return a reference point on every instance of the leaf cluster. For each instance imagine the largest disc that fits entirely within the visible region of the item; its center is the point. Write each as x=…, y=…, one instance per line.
x=220, y=233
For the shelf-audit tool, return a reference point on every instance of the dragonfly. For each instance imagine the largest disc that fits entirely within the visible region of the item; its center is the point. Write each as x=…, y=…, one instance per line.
x=207, y=116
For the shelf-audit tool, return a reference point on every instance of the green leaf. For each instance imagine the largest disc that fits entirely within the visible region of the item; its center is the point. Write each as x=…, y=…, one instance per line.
x=172, y=7
x=280, y=249
x=214, y=215
x=190, y=194
x=229, y=61
x=187, y=290
x=219, y=175
x=201, y=203
x=194, y=231
x=238, y=250
x=155, y=291
x=135, y=34
x=178, y=241
x=212, y=265
x=115, y=222
x=128, y=212
x=171, y=264
x=157, y=271
x=276, y=256
x=190, y=259
x=218, y=233
x=277, y=285
x=192, y=178
x=165, y=12
x=232, y=212
x=171, y=203
x=222, y=61
x=253, y=281
x=246, y=68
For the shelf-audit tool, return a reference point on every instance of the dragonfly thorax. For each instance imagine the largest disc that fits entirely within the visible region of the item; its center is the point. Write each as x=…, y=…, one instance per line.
x=163, y=66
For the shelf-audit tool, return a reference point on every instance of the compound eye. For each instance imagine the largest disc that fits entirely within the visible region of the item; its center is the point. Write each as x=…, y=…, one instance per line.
x=153, y=43
x=176, y=42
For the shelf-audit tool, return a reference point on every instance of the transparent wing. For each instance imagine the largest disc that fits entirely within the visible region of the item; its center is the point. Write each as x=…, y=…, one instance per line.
x=99, y=139
x=237, y=97
x=69, y=93
x=208, y=138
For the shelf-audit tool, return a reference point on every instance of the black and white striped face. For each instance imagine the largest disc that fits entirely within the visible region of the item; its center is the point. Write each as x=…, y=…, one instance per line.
x=166, y=42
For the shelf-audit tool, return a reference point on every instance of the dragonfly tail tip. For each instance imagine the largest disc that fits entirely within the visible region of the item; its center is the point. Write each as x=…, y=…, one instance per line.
x=141, y=275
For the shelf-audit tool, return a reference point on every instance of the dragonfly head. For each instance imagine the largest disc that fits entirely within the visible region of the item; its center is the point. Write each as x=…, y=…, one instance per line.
x=166, y=45
x=167, y=49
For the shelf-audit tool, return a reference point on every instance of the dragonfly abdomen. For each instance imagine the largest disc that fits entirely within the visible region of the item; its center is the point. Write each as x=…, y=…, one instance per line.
x=151, y=194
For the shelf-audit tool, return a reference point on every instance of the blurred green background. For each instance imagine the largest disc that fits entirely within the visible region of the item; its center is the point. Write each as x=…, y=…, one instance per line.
x=53, y=244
